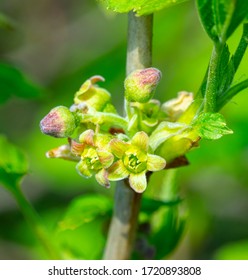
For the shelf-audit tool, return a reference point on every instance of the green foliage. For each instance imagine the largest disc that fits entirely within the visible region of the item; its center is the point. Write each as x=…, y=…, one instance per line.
x=212, y=126
x=150, y=205
x=141, y=7
x=167, y=222
x=14, y=83
x=83, y=224
x=85, y=242
x=85, y=209
x=13, y=163
x=221, y=17
x=167, y=229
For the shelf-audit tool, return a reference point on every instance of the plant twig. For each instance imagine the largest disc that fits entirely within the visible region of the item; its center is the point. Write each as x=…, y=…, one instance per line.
x=127, y=203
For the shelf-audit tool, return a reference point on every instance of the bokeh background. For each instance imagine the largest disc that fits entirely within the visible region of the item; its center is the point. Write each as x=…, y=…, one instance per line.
x=57, y=45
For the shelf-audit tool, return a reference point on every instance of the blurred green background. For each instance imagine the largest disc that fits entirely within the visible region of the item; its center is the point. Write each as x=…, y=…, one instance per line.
x=59, y=44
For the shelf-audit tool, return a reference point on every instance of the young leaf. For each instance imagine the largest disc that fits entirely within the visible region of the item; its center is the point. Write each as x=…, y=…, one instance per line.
x=141, y=7
x=211, y=126
x=205, y=10
x=220, y=18
x=13, y=163
x=83, y=210
x=14, y=83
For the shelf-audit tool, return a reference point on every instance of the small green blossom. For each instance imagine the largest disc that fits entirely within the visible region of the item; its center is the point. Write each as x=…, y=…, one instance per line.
x=92, y=96
x=95, y=157
x=134, y=161
x=150, y=114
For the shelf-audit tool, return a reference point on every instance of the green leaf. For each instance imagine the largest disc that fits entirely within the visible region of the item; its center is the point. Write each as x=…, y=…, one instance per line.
x=205, y=10
x=225, y=72
x=13, y=163
x=167, y=227
x=168, y=221
x=85, y=242
x=211, y=126
x=220, y=18
x=240, y=12
x=13, y=82
x=84, y=209
x=150, y=205
x=141, y=7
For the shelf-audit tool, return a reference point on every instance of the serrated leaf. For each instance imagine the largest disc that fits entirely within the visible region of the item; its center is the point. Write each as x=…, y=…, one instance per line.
x=13, y=163
x=83, y=210
x=14, y=83
x=141, y=7
x=220, y=18
x=212, y=126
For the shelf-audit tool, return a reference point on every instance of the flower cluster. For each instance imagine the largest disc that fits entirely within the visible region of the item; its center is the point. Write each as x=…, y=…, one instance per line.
x=148, y=138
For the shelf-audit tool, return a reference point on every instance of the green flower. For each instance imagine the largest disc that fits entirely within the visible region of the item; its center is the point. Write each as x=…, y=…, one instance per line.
x=91, y=96
x=149, y=114
x=134, y=161
x=95, y=157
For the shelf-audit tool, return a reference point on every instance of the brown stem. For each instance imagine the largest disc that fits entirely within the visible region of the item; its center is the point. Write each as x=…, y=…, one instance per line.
x=127, y=202
x=124, y=223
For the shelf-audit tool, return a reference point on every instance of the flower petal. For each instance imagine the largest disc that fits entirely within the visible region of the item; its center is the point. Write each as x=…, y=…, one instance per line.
x=138, y=182
x=141, y=140
x=79, y=96
x=155, y=163
x=117, y=171
x=87, y=137
x=102, y=178
x=83, y=169
x=76, y=148
x=96, y=78
x=63, y=152
x=118, y=147
x=105, y=157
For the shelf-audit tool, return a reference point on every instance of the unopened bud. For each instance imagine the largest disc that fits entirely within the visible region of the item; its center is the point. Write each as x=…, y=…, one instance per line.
x=140, y=85
x=60, y=122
